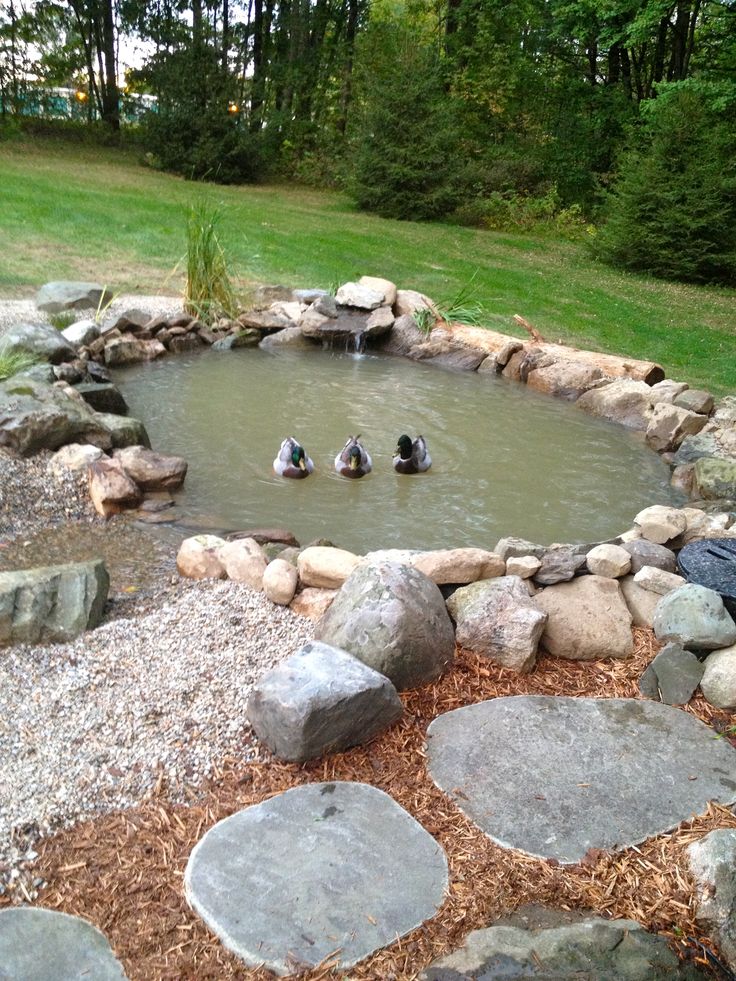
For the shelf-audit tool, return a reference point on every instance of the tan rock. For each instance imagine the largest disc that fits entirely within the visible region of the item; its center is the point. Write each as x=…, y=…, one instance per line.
x=280, y=581
x=718, y=683
x=74, y=456
x=152, y=471
x=130, y=350
x=244, y=561
x=658, y=580
x=198, y=558
x=564, y=379
x=383, y=286
x=660, y=524
x=701, y=525
x=670, y=424
x=523, y=566
x=641, y=602
x=625, y=401
x=313, y=602
x=610, y=561
x=379, y=321
x=325, y=567
x=409, y=301
x=588, y=619
x=459, y=565
x=668, y=390
x=355, y=295
x=111, y=489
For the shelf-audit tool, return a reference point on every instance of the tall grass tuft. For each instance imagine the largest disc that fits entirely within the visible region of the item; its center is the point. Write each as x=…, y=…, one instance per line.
x=209, y=290
x=11, y=362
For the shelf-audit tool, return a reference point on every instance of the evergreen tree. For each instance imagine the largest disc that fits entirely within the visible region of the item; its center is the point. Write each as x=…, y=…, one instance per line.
x=673, y=213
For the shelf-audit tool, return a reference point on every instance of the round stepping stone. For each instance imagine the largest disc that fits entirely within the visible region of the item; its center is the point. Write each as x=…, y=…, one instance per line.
x=324, y=869
x=43, y=945
x=555, y=776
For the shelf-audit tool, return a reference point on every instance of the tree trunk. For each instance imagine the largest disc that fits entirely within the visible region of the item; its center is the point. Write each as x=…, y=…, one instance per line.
x=111, y=93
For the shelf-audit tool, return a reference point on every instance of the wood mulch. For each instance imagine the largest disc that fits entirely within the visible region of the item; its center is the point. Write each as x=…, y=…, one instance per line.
x=124, y=871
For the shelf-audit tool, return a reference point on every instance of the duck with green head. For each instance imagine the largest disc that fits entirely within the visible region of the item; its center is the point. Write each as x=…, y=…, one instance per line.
x=353, y=460
x=292, y=461
x=411, y=457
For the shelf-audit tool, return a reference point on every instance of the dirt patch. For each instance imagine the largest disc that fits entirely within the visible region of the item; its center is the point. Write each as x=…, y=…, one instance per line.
x=124, y=871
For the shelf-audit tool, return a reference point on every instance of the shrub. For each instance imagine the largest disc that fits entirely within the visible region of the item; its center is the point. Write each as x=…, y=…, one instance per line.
x=11, y=362
x=673, y=212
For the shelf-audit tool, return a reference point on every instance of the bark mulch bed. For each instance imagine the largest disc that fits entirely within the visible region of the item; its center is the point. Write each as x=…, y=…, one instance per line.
x=123, y=871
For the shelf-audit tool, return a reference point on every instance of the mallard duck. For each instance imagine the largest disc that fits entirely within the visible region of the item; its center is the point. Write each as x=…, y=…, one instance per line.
x=353, y=460
x=292, y=461
x=411, y=457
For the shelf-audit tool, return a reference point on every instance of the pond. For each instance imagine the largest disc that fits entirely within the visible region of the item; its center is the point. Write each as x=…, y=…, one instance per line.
x=506, y=460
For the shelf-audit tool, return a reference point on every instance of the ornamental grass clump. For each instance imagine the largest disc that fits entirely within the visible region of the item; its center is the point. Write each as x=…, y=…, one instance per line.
x=209, y=290
x=11, y=361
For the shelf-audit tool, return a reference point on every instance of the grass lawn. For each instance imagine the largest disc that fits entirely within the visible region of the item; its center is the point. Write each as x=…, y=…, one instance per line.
x=83, y=213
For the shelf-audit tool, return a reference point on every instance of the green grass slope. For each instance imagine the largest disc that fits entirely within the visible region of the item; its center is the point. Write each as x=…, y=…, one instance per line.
x=97, y=214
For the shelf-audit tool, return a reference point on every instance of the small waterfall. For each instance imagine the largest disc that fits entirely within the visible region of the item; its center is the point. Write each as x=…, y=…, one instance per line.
x=359, y=341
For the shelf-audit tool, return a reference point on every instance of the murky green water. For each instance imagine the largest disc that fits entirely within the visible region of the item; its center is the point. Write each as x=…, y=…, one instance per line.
x=506, y=461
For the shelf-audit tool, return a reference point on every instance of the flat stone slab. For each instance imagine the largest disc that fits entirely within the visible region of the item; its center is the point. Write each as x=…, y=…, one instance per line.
x=556, y=776
x=43, y=945
x=324, y=869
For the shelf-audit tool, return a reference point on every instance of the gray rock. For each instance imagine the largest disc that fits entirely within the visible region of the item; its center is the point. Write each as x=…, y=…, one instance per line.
x=307, y=295
x=588, y=619
x=558, y=565
x=695, y=617
x=322, y=869
x=43, y=373
x=556, y=776
x=247, y=337
x=152, y=471
x=624, y=401
x=696, y=400
x=498, y=618
x=392, y=618
x=644, y=552
x=718, y=443
x=321, y=700
x=42, y=945
x=361, y=297
x=264, y=320
x=41, y=340
x=52, y=604
x=36, y=416
x=667, y=390
x=670, y=424
x=81, y=333
x=67, y=295
x=673, y=676
x=713, y=866
x=403, y=336
x=563, y=379
x=325, y=306
x=123, y=430
x=103, y=398
x=715, y=479
x=291, y=338
x=593, y=949
x=132, y=350
x=509, y=548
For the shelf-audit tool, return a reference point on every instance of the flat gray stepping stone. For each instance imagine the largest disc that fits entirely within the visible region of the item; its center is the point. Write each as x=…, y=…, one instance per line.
x=556, y=776
x=42, y=945
x=325, y=869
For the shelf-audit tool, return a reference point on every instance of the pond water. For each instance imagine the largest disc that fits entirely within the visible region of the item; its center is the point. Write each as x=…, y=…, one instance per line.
x=506, y=460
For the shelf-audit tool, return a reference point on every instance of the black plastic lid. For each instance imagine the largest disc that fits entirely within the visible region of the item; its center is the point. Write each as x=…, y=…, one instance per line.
x=712, y=563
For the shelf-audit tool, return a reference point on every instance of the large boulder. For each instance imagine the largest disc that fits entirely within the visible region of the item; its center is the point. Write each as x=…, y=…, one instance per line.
x=360, y=296
x=715, y=479
x=131, y=350
x=670, y=424
x=63, y=295
x=244, y=561
x=713, y=866
x=498, y=618
x=385, y=287
x=321, y=700
x=660, y=524
x=37, y=416
x=152, y=471
x=393, y=618
x=52, y=604
x=459, y=565
x=564, y=379
x=624, y=401
x=644, y=552
x=40, y=340
x=404, y=336
x=588, y=619
x=592, y=949
x=695, y=617
x=641, y=602
x=611, y=561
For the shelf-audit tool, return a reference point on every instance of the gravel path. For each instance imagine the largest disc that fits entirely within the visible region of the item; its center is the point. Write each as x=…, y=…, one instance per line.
x=14, y=312
x=94, y=724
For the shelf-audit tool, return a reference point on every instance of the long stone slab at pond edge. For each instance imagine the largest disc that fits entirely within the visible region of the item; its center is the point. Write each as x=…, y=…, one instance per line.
x=555, y=776
x=322, y=870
